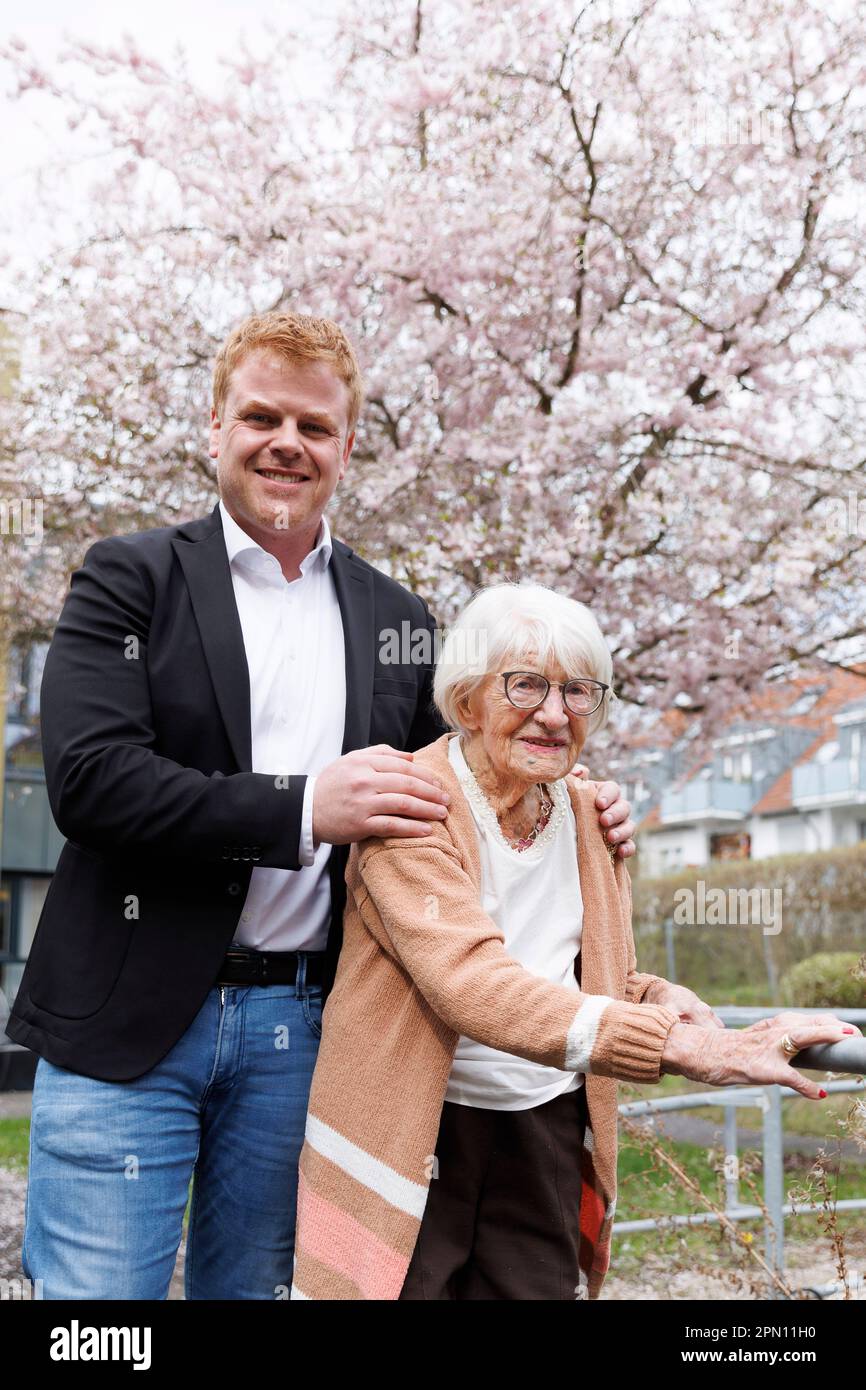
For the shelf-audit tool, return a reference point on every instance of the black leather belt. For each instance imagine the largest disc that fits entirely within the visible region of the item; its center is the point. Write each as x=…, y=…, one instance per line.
x=243, y=966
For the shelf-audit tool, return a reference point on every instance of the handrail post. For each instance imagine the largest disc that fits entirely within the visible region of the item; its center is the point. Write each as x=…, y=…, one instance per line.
x=732, y=1160
x=774, y=1187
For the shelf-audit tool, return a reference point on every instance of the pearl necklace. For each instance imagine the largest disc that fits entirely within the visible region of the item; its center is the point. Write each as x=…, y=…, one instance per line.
x=542, y=831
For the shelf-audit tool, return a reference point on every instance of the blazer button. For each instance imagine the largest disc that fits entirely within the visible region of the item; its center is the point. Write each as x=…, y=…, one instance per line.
x=234, y=889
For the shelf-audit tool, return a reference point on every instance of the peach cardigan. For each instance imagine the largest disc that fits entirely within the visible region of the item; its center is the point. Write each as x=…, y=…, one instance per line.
x=421, y=964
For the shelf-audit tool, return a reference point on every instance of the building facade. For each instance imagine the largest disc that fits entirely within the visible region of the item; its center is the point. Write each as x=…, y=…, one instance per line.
x=787, y=776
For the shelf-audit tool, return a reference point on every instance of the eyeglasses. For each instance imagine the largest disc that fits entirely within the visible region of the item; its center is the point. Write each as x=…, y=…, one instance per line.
x=528, y=690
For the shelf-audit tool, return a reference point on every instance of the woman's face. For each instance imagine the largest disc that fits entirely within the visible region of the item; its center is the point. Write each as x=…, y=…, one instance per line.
x=538, y=745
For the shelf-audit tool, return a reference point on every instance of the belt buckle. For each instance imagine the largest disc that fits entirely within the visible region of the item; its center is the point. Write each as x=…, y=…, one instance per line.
x=240, y=955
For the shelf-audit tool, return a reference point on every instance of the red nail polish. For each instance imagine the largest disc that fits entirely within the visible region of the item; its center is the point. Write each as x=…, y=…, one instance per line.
x=823, y=1095
x=847, y=1030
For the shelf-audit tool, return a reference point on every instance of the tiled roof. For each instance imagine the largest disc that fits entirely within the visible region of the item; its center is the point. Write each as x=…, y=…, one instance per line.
x=844, y=688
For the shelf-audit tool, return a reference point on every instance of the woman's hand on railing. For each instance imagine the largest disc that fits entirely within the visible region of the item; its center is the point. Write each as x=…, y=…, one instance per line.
x=751, y=1056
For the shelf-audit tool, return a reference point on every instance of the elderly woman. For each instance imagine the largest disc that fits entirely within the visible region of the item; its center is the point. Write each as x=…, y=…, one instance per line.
x=461, y=1137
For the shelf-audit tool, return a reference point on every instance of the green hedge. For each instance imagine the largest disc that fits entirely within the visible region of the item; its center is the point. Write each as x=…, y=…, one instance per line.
x=828, y=980
x=741, y=958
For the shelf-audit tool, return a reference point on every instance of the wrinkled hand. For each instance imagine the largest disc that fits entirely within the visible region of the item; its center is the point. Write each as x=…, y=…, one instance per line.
x=684, y=1002
x=750, y=1056
x=619, y=829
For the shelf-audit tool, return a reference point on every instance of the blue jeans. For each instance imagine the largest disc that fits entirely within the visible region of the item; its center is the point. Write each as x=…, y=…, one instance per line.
x=111, y=1162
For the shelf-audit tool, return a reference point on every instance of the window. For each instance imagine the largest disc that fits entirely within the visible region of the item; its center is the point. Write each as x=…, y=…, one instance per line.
x=807, y=700
x=737, y=767
x=734, y=845
x=21, y=900
x=25, y=679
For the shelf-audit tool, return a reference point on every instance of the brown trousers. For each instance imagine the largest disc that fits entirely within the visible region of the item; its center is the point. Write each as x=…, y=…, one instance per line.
x=501, y=1220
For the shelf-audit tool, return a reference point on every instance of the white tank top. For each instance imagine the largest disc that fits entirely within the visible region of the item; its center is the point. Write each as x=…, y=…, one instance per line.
x=533, y=896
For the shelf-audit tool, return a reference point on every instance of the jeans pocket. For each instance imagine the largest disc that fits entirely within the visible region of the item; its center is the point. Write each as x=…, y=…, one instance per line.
x=312, y=1005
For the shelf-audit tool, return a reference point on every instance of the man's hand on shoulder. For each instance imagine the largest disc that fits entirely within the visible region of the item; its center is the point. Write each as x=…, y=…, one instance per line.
x=375, y=791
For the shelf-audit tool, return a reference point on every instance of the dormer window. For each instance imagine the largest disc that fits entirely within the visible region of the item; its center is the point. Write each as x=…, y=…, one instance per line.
x=737, y=767
x=807, y=700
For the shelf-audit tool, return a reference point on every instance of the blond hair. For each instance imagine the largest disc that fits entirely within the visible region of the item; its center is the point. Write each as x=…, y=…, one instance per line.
x=297, y=338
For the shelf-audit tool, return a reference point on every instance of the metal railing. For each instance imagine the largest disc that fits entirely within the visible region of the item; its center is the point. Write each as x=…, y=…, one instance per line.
x=841, y=779
x=848, y=1056
x=702, y=796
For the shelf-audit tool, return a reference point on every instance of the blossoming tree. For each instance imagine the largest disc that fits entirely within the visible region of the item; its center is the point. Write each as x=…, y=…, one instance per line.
x=602, y=266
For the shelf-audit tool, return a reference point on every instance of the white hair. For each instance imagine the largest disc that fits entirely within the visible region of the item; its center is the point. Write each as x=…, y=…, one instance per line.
x=505, y=623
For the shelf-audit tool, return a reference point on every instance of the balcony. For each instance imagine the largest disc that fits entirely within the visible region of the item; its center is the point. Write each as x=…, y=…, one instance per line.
x=837, y=783
x=710, y=798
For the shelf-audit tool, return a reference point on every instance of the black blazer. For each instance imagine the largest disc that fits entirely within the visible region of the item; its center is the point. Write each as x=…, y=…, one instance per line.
x=145, y=710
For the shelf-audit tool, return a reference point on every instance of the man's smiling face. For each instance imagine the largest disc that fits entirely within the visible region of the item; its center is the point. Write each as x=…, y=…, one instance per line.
x=281, y=444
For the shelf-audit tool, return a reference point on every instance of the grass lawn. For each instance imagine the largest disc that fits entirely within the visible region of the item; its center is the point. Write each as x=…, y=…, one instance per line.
x=646, y=1188
x=15, y=1143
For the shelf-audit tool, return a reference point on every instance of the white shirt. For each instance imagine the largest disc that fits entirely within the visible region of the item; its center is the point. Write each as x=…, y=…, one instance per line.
x=534, y=896
x=293, y=639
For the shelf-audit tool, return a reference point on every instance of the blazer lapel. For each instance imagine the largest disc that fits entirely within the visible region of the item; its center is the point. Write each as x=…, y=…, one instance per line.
x=353, y=582
x=202, y=554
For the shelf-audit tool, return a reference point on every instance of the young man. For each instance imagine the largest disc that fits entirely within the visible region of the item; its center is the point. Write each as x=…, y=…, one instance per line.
x=215, y=720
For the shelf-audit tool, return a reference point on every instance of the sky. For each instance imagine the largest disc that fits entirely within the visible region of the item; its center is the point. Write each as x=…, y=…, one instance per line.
x=34, y=133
